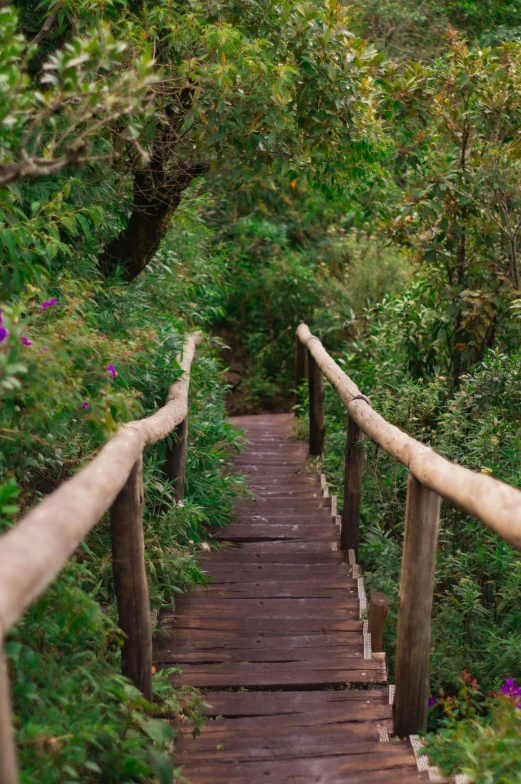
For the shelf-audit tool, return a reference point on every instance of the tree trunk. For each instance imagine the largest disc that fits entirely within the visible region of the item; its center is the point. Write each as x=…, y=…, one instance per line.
x=157, y=195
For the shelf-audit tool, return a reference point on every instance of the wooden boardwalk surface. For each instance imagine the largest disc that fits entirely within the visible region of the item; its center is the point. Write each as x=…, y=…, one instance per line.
x=277, y=642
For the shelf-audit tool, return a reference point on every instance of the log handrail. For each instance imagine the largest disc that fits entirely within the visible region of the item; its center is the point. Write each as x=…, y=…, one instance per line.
x=431, y=477
x=494, y=503
x=35, y=550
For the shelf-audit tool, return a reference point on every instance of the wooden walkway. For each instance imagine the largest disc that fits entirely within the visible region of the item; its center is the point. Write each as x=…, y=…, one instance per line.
x=277, y=642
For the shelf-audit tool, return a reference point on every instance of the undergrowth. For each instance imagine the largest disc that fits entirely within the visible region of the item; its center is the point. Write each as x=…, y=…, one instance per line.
x=95, y=356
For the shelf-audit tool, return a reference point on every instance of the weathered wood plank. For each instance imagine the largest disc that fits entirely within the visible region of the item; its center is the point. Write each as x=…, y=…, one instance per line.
x=254, y=676
x=344, y=656
x=372, y=759
x=223, y=703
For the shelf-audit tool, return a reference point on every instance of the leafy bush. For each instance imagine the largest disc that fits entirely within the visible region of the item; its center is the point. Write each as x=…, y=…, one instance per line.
x=478, y=735
x=96, y=355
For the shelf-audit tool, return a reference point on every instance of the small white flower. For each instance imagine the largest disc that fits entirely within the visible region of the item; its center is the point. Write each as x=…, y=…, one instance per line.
x=205, y=546
x=180, y=505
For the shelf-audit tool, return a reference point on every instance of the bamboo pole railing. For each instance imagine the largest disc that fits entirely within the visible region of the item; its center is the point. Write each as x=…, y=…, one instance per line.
x=431, y=478
x=33, y=552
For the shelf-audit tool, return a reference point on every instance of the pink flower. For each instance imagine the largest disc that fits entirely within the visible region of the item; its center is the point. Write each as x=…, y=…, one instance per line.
x=45, y=349
x=26, y=341
x=49, y=303
x=4, y=334
x=86, y=405
x=112, y=370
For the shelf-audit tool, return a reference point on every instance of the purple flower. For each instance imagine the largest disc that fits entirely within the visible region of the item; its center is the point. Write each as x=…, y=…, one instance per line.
x=49, y=303
x=4, y=334
x=510, y=689
x=432, y=702
x=86, y=405
x=112, y=370
x=45, y=349
x=26, y=341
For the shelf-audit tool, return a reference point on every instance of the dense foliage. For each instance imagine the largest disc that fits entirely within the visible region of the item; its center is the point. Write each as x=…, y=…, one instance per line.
x=240, y=167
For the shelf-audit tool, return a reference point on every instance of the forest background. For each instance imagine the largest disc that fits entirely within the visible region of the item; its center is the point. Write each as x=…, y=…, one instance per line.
x=240, y=167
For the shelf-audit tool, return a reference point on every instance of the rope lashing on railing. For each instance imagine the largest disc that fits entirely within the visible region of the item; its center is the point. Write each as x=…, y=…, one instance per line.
x=494, y=503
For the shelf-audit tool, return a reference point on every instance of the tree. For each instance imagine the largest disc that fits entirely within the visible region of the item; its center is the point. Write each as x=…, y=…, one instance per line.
x=456, y=196
x=82, y=95
x=243, y=87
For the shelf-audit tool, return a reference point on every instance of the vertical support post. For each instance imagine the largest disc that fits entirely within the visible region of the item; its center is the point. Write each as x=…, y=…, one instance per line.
x=422, y=520
x=175, y=460
x=354, y=461
x=300, y=362
x=128, y=562
x=8, y=761
x=378, y=607
x=316, y=407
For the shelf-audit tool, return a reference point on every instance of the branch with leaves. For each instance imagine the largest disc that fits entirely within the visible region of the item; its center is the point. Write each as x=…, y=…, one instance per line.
x=88, y=104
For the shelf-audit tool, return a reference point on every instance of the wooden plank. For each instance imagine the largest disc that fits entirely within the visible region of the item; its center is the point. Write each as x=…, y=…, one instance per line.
x=212, y=640
x=205, y=639
x=273, y=625
x=277, y=548
x=309, y=552
x=257, y=703
x=251, y=571
x=254, y=676
x=319, y=516
x=283, y=607
x=262, y=532
x=293, y=747
x=187, y=655
x=324, y=717
x=278, y=589
x=280, y=492
x=285, y=505
x=344, y=656
x=372, y=759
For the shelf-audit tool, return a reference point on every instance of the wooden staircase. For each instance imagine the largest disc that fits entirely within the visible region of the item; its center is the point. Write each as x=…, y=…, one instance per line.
x=277, y=642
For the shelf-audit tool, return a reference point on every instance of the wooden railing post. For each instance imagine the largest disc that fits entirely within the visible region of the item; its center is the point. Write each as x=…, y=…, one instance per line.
x=316, y=407
x=422, y=519
x=8, y=761
x=354, y=461
x=175, y=460
x=300, y=362
x=377, y=613
x=128, y=560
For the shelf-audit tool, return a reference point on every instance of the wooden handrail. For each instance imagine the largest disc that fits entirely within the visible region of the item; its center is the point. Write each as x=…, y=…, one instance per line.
x=431, y=477
x=36, y=549
x=494, y=503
